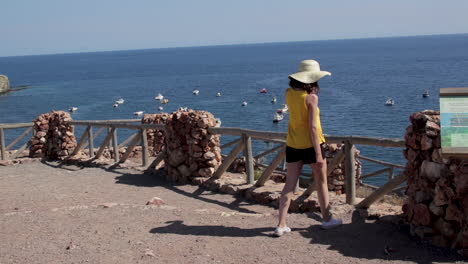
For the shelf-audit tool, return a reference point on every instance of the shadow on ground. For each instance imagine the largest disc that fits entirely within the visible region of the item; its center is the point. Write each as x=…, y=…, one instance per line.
x=378, y=240
x=179, y=228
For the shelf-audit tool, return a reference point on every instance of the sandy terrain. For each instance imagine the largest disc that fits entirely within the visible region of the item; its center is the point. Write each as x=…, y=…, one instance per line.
x=67, y=214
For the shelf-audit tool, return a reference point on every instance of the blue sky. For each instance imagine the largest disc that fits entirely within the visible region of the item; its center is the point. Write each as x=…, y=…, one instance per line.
x=62, y=26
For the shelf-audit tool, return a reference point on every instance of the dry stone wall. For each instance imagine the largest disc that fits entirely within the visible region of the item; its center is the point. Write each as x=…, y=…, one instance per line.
x=156, y=138
x=336, y=179
x=437, y=205
x=191, y=150
x=53, y=137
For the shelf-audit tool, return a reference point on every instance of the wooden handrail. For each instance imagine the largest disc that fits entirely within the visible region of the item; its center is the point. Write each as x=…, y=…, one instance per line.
x=15, y=125
x=382, y=162
x=242, y=144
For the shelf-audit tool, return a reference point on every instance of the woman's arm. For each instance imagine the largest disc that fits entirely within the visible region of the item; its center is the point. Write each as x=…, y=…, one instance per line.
x=312, y=105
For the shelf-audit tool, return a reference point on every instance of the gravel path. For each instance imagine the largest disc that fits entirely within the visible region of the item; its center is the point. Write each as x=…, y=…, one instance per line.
x=67, y=214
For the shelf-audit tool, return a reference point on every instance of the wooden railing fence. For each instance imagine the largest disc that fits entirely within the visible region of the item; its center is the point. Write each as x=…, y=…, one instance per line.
x=243, y=143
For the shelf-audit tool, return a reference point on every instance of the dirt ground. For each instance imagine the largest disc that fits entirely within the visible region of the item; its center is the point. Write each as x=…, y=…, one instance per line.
x=67, y=214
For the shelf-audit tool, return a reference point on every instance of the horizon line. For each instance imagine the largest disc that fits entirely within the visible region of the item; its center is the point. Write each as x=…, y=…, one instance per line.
x=232, y=44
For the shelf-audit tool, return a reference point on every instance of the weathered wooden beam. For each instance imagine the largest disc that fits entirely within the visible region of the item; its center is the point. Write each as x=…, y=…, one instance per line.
x=20, y=150
x=95, y=135
x=158, y=160
x=379, y=193
x=90, y=141
x=249, y=163
x=228, y=161
x=251, y=133
x=102, y=122
x=273, y=165
x=132, y=145
x=104, y=144
x=2, y=144
x=15, y=125
x=350, y=168
x=371, y=141
x=268, y=151
x=26, y=132
x=144, y=147
x=382, y=142
x=231, y=143
x=120, y=125
x=81, y=143
x=129, y=139
x=375, y=173
x=382, y=162
x=115, y=144
x=391, y=173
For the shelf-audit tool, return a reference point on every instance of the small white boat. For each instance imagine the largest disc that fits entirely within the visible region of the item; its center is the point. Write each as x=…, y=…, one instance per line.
x=195, y=92
x=159, y=97
x=182, y=109
x=283, y=109
x=273, y=100
x=120, y=101
x=425, y=94
x=138, y=113
x=218, y=94
x=73, y=109
x=115, y=105
x=278, y=117
x=390, y=102
x=165, y=101
x=160, y=108
x=244, y=103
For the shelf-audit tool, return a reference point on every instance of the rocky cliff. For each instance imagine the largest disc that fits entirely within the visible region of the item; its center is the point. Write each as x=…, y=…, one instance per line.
x=4, y=83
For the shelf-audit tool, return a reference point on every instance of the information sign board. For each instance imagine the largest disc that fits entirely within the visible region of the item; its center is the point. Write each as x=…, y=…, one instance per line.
x=454, y=121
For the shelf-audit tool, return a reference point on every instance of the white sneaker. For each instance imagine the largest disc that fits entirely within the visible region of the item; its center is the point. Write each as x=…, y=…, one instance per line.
x=332, y=223
x=279, y=231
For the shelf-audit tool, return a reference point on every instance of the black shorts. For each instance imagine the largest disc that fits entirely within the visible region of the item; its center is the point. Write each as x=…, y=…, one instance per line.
x=307, y=156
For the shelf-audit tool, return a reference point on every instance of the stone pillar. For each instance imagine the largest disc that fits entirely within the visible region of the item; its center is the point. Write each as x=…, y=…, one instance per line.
x=437, y=204
x=336, y=179
x=53, y=137
x=155, y=137
x=191, y=150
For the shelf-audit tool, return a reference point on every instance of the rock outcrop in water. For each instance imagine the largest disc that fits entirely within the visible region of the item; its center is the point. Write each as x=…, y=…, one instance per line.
x=4, y=83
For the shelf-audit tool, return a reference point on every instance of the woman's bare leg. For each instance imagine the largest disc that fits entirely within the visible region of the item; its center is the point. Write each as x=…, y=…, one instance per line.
x=320, y=177
x=292, y=176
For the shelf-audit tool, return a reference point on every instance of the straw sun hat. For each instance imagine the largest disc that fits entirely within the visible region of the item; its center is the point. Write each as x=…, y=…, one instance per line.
x=309, y=72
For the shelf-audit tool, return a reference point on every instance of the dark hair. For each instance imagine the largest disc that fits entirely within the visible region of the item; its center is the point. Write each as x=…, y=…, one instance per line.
x=304, y=86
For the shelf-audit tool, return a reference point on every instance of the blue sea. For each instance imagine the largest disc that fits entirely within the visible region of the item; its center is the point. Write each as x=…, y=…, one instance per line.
x=365, y=73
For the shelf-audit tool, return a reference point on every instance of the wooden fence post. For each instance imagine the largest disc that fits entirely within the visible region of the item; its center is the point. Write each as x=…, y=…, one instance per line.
x=249, y=166
x=350, y=173
x=91, y=141
x=144, y=147
x=116, y=145
x=2, y=143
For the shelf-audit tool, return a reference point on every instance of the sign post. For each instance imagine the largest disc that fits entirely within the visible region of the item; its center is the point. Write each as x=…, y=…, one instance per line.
x=454, y=122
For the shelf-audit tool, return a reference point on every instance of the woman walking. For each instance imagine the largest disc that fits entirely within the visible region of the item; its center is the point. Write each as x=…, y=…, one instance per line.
x=304, y=141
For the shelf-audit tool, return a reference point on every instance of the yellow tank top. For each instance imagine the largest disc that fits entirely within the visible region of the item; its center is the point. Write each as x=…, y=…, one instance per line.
x=298, y=130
